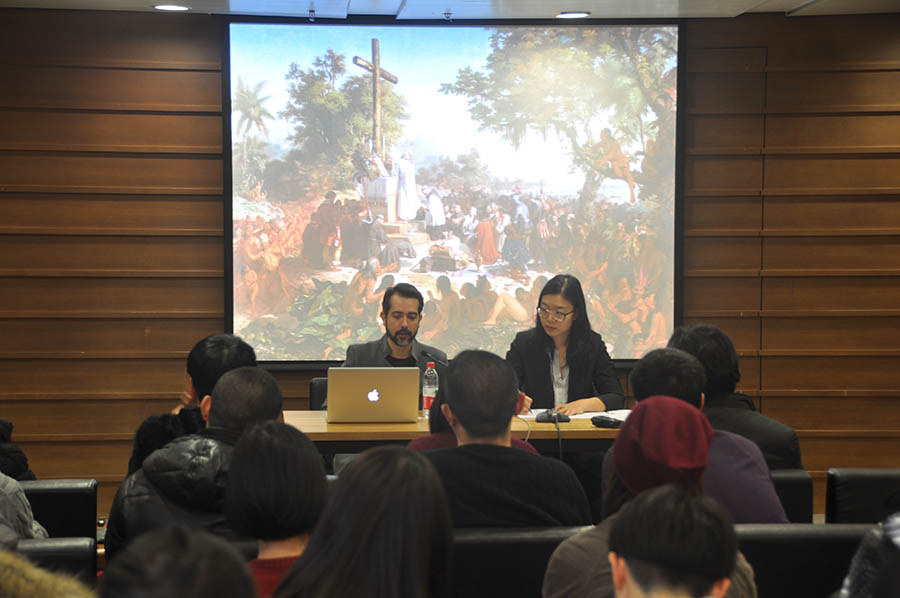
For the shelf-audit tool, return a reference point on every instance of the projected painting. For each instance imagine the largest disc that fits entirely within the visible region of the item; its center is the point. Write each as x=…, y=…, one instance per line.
x=473, y=162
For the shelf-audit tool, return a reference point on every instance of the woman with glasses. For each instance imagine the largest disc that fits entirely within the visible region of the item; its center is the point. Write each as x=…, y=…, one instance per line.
x=561, y=363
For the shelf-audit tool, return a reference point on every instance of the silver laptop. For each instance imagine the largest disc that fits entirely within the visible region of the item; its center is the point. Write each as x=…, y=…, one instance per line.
x=366, y=395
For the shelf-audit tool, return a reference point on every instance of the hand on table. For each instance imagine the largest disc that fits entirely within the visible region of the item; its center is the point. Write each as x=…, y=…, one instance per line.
x=582, y=405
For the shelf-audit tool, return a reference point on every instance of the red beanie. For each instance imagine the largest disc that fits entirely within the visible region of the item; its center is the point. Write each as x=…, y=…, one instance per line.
x=663, y=441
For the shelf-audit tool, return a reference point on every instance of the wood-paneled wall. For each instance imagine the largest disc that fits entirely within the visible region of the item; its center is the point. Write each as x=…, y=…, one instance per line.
x=792, y=221
x=112, y=251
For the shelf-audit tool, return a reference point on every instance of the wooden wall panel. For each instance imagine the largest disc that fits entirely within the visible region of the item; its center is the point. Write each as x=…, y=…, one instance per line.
x=744, y=332
x=717, y=213
x=831, y=373
x=877, y=449
x=736, y=134
x=835, y=413
x=831, y=293
x=726, y=93
x=823, y=253
x=841, y=175
x=830, y=333
x=83, y=416
x=751, y=375
x=54, y=377
x=834, y=92
x=832, y=133
x=711, y=295
x=727, y=253
x=715, y=175
x=833, y=213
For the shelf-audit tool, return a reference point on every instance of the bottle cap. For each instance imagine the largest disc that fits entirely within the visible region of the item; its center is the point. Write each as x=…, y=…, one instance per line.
x=430, y=364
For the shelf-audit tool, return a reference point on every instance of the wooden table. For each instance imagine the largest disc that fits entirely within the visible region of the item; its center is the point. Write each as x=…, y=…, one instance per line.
x=577, y=435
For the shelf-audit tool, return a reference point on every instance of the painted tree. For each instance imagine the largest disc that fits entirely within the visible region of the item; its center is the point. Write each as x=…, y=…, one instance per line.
x=249, y=153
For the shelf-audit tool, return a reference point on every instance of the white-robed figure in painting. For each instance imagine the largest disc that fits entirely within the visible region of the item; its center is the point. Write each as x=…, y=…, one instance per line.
x=407, y=199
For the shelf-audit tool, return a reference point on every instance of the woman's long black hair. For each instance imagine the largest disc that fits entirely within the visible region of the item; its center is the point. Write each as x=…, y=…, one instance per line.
x=578, y=345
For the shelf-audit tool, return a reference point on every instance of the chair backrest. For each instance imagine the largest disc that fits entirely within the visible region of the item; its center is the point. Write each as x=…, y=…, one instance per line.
x=66, y=508
x=795, y=490
x=799, y=559
x=74, y=556
x=318, y=392
x=861, y=495
x=503, y=562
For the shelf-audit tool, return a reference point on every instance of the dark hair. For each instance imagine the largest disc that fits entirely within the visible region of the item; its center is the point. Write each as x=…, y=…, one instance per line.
x=404, y=289
x=276, y=483
x=385, y=533
x=176, y=562
x=213, y=356
x=243, y=397
x=482, y=392
x=578, y=344
x=668, y=372
x=437, y=423
x=672, y=540
x=715, y=351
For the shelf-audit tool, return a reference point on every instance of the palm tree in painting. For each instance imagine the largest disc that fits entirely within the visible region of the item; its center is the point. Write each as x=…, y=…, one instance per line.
x=250, y=157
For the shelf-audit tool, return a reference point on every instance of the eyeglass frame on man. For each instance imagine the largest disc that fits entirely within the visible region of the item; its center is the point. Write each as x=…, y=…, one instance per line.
x=553, y=316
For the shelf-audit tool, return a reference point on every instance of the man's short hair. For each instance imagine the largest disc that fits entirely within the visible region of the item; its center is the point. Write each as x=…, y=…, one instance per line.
x=668, y=372
x=176, y=562
x=715, y=351
x=482, y=391
x=243, y=397
x=404, y=289
x=215, y=355
x=673, y=541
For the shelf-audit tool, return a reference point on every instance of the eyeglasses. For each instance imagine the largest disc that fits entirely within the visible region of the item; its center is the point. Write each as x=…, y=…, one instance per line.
x=553, y=316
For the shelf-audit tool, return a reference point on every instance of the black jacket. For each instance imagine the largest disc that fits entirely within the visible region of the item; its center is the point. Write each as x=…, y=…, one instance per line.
x=531, y=360
x=734, y=412
x=183, y=482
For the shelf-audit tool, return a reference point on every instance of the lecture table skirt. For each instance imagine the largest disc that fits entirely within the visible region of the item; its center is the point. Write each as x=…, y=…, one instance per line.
x=577, y=435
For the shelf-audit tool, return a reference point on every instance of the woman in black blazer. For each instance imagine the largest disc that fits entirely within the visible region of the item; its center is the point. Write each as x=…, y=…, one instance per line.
x=561, y=345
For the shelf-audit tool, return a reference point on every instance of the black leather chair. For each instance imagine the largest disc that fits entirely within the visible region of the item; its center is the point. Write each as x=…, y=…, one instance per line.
x=795, y=489
x=503, y=562
x=861, y=495
x=66, y=508
x=318, y=392
x=74, y=556
x=799, y=559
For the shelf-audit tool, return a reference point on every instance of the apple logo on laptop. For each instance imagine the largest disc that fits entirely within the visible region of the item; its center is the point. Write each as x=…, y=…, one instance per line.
x=373, y=395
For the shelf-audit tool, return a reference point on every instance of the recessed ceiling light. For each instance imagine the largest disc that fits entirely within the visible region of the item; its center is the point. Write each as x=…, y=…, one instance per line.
x=171, y=7
x=573, y=14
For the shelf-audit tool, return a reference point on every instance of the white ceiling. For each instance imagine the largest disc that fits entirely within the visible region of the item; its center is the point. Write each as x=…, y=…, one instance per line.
x=486, y=9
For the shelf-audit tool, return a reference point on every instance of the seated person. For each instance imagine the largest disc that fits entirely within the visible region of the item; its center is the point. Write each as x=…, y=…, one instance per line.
x=442, y=435
x=16, y=519
x=13, y=461
x=385, y=533
x=730, y=411
x=401, y=312
x=488, y=483
x=668, y=543
x=177, y=562
x=276, y=492
x=208, y=360
x=737, y=475
x=875, y=568
x=561, y=362
x=663, y=441
x=184, y=481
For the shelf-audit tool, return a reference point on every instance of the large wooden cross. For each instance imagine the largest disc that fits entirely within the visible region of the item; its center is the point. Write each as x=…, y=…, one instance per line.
x=378, y=74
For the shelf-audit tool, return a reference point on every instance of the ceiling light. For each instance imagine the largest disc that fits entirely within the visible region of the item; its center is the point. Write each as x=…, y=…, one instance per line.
x=573, y=14
x=171, y=7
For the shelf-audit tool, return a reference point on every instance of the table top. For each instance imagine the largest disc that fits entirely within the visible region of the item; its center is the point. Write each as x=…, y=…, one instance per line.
x=313, y=424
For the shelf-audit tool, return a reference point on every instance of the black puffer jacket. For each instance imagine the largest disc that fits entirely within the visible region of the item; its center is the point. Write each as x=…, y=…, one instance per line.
x=183, y=482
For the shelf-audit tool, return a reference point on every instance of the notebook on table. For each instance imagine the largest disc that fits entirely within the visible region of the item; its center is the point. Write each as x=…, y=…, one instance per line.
x=369, y=395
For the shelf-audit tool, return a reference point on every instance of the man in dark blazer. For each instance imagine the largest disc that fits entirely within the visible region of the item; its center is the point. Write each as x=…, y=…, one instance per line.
x=730, y=411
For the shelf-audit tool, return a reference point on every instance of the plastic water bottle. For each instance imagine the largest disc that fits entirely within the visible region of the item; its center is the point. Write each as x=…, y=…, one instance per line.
x=429, y=387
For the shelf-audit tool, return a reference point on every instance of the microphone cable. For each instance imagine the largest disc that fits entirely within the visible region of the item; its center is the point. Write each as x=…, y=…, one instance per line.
x=527, y=424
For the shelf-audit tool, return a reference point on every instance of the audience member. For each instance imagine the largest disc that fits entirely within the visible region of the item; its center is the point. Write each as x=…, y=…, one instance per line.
x=184, y=481
x=668, y=543
x=16, y=519
x=13, y=461
x=488, y=483
x=207, y=361
x=276, y=492
x=663, y=441
x=19, y=578
x=442, y=435
x=731, y=411
x=384, y=533
x=737, y=475
x=875, y=569
x=177, y=562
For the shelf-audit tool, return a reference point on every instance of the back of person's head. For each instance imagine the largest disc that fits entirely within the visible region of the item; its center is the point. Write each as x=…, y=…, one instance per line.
x=481, y=391
x=243, y=397
x=402, y=289
x=668, y=372
x=276, y=483
x=715, y=351
x=20, y=578
x=672, y=542
x=213, y=356
x=663, y=441
x=177, y=562
x=385, y=532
